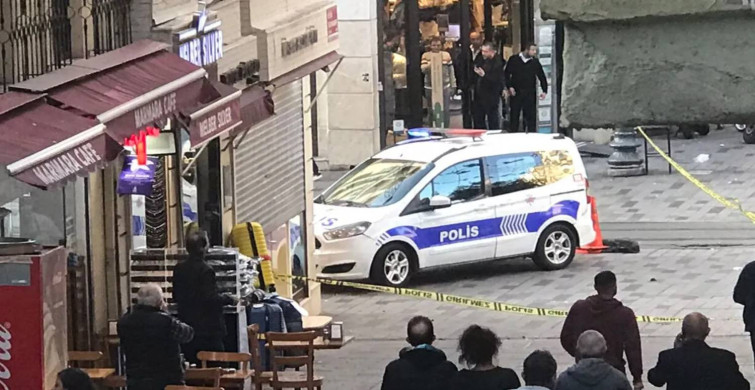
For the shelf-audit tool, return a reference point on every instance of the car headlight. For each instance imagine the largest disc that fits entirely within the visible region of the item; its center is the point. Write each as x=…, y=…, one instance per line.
x=347, y=231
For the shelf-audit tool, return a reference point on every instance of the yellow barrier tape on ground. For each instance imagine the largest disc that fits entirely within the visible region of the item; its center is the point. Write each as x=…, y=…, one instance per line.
x=462, y=301
x=728, y=203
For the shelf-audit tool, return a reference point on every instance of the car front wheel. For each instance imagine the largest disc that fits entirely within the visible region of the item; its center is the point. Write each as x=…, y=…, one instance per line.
x=393, y=265
x=555, y=248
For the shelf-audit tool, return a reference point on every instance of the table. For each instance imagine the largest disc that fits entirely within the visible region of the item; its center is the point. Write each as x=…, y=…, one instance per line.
x=319, y=343
x=98, y=374
x=315, y=322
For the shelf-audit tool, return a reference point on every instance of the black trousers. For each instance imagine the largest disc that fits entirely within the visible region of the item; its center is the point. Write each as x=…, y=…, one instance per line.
x=526, y=105
x=212, y=343
x=752, y=341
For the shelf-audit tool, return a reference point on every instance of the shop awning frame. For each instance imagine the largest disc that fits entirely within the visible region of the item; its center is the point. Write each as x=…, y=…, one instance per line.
x=313, y=102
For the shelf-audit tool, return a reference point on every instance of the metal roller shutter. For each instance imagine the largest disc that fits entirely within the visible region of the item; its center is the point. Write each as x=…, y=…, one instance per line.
x=269, y=164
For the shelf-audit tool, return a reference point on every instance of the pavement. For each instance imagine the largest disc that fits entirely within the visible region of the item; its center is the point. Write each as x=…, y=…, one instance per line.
x=692, y=252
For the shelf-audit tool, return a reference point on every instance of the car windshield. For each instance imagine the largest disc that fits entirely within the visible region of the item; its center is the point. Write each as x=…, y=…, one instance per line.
x=376, y=183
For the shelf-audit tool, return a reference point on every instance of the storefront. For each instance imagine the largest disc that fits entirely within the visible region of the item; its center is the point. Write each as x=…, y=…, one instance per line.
x=272, y=164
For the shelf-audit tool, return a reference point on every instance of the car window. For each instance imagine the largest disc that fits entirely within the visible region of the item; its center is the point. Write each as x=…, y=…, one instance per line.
x=521, y=171
x=460, y=182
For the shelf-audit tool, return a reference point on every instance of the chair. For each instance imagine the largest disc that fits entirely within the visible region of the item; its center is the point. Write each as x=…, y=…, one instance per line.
x=179, y=387
x=259, y=376
x=235, y=379
x=204, y=376
x=88, y=357
x=297, y=342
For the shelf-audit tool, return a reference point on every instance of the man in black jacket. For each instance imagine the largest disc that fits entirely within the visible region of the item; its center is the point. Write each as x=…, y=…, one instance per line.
x=521, y=72
x=744, y=294
x=421, y=366
x=467, y=79
x=694, y=365
x=151, y=339
x=489, y=85
x=199, y=302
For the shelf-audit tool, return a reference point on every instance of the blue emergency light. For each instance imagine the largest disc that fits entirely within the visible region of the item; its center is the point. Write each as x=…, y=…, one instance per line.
x=418, y=133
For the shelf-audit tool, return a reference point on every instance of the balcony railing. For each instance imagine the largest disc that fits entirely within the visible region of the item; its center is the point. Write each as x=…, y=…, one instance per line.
x=39, y=36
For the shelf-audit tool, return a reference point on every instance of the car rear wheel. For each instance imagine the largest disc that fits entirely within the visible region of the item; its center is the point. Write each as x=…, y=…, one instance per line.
x=749, y=134
x=393, y=265
x=555, y=248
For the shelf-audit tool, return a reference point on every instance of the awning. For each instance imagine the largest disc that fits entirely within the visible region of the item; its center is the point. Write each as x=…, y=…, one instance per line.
x=45, y=146
x=221, y=113
x=307, y=69
x=256, y=106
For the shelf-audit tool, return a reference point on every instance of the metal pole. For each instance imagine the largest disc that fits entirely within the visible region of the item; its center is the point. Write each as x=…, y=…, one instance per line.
x=488, y=20
x=413, y=71
x=313, y=94
x=465, y=61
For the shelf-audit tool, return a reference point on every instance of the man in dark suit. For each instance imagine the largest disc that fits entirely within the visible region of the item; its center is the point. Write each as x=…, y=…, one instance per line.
x=489, y=86
x=693, y=365
x=744, y=294
x=468, y=79
x=522, y=71
x=199, y=302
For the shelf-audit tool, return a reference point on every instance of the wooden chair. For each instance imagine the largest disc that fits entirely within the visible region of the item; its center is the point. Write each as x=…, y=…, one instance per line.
x=114, y=382
x=236, y=379
x=179, y=387
x=298, y=342
x=90, y=358
x=259, y=376
x=204, y=376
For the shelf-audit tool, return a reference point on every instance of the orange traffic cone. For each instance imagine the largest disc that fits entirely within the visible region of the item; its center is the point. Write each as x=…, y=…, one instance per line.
x=596, y=246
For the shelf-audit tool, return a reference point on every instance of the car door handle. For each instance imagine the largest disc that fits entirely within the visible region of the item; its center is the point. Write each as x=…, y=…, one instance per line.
x=483, y=208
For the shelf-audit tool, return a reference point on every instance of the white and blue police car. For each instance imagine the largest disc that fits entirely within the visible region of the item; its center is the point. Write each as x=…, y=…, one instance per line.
x=467, y=196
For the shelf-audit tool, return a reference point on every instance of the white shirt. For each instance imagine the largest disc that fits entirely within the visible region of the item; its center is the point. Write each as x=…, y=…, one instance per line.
x=524, y=59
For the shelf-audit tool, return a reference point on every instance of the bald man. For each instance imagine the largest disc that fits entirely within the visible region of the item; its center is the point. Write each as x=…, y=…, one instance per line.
x=693, y=365
x=592, y=372
x=420, y=366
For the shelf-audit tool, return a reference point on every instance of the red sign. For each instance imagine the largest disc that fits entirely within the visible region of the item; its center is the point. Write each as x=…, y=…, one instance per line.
x=332, y=15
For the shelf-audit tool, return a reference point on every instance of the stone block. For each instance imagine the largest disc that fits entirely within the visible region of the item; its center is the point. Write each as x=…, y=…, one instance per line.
x=659, y=71
x=597, y=10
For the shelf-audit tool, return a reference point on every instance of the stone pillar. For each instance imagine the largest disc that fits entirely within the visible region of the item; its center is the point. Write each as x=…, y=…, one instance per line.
x=625, y=161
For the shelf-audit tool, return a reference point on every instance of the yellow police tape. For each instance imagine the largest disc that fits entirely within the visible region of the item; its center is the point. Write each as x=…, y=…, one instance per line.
x=732, y=204
x=462, y=301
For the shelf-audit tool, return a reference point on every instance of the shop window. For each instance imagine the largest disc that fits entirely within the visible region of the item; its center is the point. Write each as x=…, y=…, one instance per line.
x=37, y=215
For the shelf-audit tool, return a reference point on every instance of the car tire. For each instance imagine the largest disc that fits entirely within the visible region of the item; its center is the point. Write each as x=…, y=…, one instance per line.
x=393, y=265
x=556, y=247
x=749, y=134
x=688, y=131
x=703, y=130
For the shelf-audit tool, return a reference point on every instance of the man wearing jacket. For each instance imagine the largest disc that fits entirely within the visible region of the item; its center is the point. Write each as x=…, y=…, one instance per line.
x=151, y=339
x=744, y=294
x=420, y=366
x=694, y=365
x=199, y=302
x=521, y=72
x=489, y=87
x=616, y=322
x=592, y=372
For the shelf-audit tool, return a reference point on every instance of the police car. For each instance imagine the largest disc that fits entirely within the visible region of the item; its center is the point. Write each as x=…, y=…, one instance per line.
x=463, y=197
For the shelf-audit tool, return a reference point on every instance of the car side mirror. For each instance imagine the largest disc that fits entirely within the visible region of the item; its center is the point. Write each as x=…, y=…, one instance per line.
x=439, y=202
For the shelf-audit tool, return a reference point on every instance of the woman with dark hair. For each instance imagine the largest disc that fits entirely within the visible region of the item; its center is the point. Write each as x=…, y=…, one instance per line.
x=73, y=379
x=479, y=348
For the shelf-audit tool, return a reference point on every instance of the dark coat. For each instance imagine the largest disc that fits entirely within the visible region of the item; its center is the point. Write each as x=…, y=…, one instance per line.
x=420, y=368
x=489, y=88
x=521, y=76
x=592, y=374
x=196, y=293
x=616, y=322
x=744, y=294
x=498, y=378
x=696, y=366
x=150, y=339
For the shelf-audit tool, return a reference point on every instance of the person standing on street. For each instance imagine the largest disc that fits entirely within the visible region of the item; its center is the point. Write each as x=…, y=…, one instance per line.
x=447, y=83
x=199, y=302
x=693, y=365
x=592, y=372
x=420, y=366
x=744, y=294
x=617, y=323
x=521, y=72
x=469, y=80
x=489, y=87
x=539, y=371
x=151, y=341
x=479, y=347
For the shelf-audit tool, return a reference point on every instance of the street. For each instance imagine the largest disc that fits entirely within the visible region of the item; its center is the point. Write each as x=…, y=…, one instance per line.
x=692, y=250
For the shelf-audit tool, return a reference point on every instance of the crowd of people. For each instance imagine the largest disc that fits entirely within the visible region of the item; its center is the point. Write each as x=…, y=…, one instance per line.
x=599, y=332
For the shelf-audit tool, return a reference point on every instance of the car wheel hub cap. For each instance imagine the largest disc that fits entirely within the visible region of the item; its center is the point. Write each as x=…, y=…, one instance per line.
x=396, y=267
x=558, y=247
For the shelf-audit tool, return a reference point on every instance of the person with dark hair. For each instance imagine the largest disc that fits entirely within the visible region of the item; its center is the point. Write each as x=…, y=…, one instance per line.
x=479, y=347
x=693, y=365
x=419, y=366
x=539, y=371
x=591, y=371
x=616, y=322
x=489, y=86
x=522, y=71
x=73, y=379
x=744, y=294
x=199, y=302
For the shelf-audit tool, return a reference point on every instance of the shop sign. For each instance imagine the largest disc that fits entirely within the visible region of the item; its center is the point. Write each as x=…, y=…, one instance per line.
x=67, y=164
x=296, y=39
x=202, y=44
x=155, y=110
x=210, y=123
x=135, y=178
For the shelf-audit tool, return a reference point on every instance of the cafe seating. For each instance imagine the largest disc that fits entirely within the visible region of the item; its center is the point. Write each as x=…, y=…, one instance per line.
x=301, y=344
x=259, y=377
x=89, y=358
x=233, y=379
x=204, y=376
